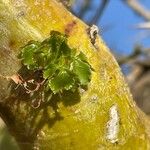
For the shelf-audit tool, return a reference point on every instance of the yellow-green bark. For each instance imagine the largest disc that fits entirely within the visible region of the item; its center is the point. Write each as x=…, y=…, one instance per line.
x=80, y=121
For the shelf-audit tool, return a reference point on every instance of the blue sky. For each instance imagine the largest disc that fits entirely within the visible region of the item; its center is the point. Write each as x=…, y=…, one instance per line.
x=117, y=26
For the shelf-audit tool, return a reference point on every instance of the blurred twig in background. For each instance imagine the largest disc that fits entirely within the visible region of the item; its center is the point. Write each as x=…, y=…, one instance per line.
x=139, y=76
x=138, y=8
x=84, y=8
x=145, y=25
x=99, y=12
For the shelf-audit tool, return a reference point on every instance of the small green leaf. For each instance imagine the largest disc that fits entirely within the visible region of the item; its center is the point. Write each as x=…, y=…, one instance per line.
x=63, y=80
x=60, y=66
x=49, y=71
x=82, y=57
x=65, y=49
x=40, y=60
x=82, y=70
x=27, y=55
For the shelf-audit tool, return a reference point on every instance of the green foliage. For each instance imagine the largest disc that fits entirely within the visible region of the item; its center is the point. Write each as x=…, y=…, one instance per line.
x=61, y=67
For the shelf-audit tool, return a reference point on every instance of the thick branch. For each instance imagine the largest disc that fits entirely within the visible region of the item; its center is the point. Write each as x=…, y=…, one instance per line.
x=99, y=116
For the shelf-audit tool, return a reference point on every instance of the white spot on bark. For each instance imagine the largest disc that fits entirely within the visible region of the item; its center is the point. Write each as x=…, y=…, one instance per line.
x=94, y=97
x=76, y=131
x=81, y=90
x=113, y=125
x=41, y=135
x=36, y=148
x=77, y=111
x=93, y=32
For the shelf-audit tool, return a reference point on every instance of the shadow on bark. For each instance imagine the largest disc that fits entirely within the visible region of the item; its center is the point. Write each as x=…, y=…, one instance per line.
x=25, y=120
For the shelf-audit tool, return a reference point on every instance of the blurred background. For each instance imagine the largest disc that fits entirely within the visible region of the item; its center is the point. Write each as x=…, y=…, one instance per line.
x=125, y=27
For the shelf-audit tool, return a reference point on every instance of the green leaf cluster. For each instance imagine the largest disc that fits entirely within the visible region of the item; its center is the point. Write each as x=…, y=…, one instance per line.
x=61, y=67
